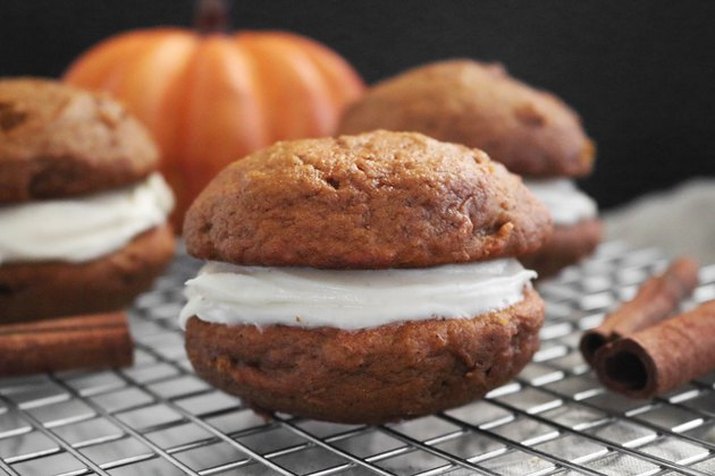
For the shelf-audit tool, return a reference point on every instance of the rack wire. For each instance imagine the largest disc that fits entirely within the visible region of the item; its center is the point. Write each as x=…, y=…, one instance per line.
x=158, y=418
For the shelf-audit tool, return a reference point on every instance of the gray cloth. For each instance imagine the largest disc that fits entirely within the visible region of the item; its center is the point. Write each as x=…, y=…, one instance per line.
x=680, y=221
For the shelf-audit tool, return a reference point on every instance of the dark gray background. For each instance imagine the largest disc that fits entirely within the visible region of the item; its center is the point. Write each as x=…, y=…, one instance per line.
x=640, y=72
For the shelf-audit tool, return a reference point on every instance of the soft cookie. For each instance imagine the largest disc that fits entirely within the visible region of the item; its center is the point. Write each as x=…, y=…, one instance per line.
x=532, y=132
x=82, y=209
x=364, y=278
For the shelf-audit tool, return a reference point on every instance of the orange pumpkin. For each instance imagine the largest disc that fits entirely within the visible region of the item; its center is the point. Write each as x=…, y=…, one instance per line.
x=212, y=98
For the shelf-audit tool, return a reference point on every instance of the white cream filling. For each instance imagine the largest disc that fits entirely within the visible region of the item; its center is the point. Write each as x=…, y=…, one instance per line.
x=567, y=204
x=351, y=299
x=82, y=228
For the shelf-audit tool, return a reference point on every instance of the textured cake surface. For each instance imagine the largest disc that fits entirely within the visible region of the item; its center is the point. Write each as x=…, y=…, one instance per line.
x=376, y=200
x=59, y=141
x=530, y=131
x=375, y=375
x=30, y=291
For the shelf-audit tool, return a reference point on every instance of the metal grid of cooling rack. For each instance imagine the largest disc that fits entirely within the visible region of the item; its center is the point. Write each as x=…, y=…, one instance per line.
x=159, y=418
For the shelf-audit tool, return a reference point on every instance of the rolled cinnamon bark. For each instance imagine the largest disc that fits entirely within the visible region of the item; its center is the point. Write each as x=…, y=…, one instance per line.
x=661, y=357
x=655, y=300
x=92, y=341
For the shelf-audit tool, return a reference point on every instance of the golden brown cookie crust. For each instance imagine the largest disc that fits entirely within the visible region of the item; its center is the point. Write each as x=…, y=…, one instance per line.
x=530, y=131
x=30, y=291
x=369, y=376
x=568, y=245
x=375, y=200
x=59, y=141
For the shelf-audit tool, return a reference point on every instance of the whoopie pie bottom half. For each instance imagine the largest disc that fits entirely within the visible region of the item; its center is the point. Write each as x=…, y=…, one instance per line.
x=376, y=375
x=30, y=291
x=568, y=245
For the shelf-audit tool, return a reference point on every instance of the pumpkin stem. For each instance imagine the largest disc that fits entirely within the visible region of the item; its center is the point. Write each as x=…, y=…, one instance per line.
x=212, y=16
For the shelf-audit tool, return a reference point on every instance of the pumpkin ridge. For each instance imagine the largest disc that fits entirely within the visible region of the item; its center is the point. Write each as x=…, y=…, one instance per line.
x=258, y=87
x=315, y=84
x=93, y=71
x=342, y=80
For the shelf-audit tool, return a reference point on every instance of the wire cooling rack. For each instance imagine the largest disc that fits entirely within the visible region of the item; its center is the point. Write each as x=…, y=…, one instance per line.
x=158, y=418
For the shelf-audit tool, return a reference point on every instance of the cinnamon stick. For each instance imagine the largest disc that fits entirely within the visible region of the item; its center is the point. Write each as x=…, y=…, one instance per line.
x=655, y=300
x=91, y=341
x=661, y=357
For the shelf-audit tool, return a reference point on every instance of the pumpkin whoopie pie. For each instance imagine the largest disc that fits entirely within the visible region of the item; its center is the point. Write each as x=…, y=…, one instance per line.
x=531, y=132
x=82, y=209
x=364, y=278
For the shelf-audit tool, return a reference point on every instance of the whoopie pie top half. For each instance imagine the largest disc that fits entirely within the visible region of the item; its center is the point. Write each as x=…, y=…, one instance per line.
x=530, y=131
x=375, y=200
x=57, y=141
